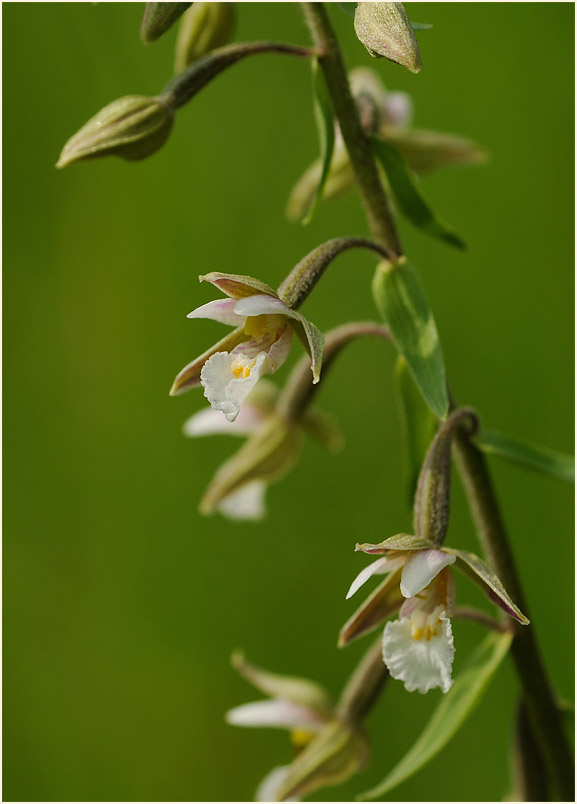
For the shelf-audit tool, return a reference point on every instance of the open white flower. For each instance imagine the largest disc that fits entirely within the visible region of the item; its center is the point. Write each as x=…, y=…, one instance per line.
x=259, y=345
x=418, y=647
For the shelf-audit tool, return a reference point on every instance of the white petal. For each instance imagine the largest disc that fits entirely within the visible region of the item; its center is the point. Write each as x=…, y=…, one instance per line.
x=422, y=664
x=210, y=422
x=420, y=569
x=221, y=310
x=246, y=503
x=270, y=786
x=261, y=304
x=378, y=567
x=223, y=389
x=275, y=714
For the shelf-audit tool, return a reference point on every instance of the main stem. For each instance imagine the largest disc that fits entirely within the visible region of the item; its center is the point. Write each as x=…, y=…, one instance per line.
x=539, y=697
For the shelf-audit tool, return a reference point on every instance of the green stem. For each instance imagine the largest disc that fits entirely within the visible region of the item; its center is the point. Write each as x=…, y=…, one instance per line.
x=191, y=80
x=541, y=706
x=364, y=686
x=538, y=694
x=375, y=202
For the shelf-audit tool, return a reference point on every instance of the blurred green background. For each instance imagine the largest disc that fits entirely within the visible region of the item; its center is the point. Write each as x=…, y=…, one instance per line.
x=122, y=605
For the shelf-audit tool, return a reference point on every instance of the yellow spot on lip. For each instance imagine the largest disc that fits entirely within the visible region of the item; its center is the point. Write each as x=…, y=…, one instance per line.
x=418, y=633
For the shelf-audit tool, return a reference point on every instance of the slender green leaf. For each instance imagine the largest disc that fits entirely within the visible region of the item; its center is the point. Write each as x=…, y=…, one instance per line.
x=453, y=710
x=326, y=130
x=401, y=301
x=418, y=425
x=529, y=455
x=408, y=194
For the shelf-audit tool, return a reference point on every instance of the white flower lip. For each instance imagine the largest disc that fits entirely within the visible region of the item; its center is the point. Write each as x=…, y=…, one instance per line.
x=247, y=503
x=224, y=389
x=422, y=664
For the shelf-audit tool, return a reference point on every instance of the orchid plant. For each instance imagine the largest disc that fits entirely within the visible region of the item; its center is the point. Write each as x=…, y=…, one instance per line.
x=366, y=139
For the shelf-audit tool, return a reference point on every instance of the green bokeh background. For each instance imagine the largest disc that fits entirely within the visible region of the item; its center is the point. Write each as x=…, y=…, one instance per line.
x=122, y=605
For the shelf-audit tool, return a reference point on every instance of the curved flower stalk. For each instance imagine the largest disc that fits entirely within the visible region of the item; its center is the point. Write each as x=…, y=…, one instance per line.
x=387, y=115
x=273, y=447
x=418, y=648
x=329, y=749
x=259, y=344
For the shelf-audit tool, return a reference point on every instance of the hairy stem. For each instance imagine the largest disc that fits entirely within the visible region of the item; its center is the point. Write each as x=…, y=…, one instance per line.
x=298, y=393
x=540, y=702
x=377, y=208
x=187, y=83
x=364, y=686
x=541, y=706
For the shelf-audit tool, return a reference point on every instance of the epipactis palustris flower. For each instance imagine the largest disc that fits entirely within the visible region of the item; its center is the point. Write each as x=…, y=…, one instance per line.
x=418, y=648
x=328, y=750
x=272, y=448
x=259, y=345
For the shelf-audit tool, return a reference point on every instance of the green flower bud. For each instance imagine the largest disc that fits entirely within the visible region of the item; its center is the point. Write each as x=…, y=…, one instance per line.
x=204, y=27
x=158, y=18
x=385, y=30
x=133, y=127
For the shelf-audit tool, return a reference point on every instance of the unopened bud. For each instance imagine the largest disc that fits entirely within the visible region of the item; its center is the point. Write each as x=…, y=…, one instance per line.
x=385, y=30
x=133, y=127
x=204, y=27
x=158, y=18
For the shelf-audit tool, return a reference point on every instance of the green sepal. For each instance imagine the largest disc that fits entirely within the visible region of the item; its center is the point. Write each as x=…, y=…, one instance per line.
x=480, y=572
x=452, y=711
x=408, y=194
x=402, y=541
x=335, y=754
x=158, y=18
x=269, y=453
x=418, y=424
x=381, y=603
x=531, y=456
x=287, y=688
x=401, y=302
x=428, y=150
x=189, y=376
x=312, y=339
x=238, y=286
x=326, y=130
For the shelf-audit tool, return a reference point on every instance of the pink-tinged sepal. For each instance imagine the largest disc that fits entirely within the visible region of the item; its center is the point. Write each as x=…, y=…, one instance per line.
x=483, y=575
x=221, y=310
x=237, y=285
x=276, y=714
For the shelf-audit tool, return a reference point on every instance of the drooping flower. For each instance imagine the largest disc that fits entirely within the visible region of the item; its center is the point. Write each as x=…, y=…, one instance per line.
x=259, y=345
x=418, y=647
x=386, y=115
x=238, y=488
x=328, y=750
